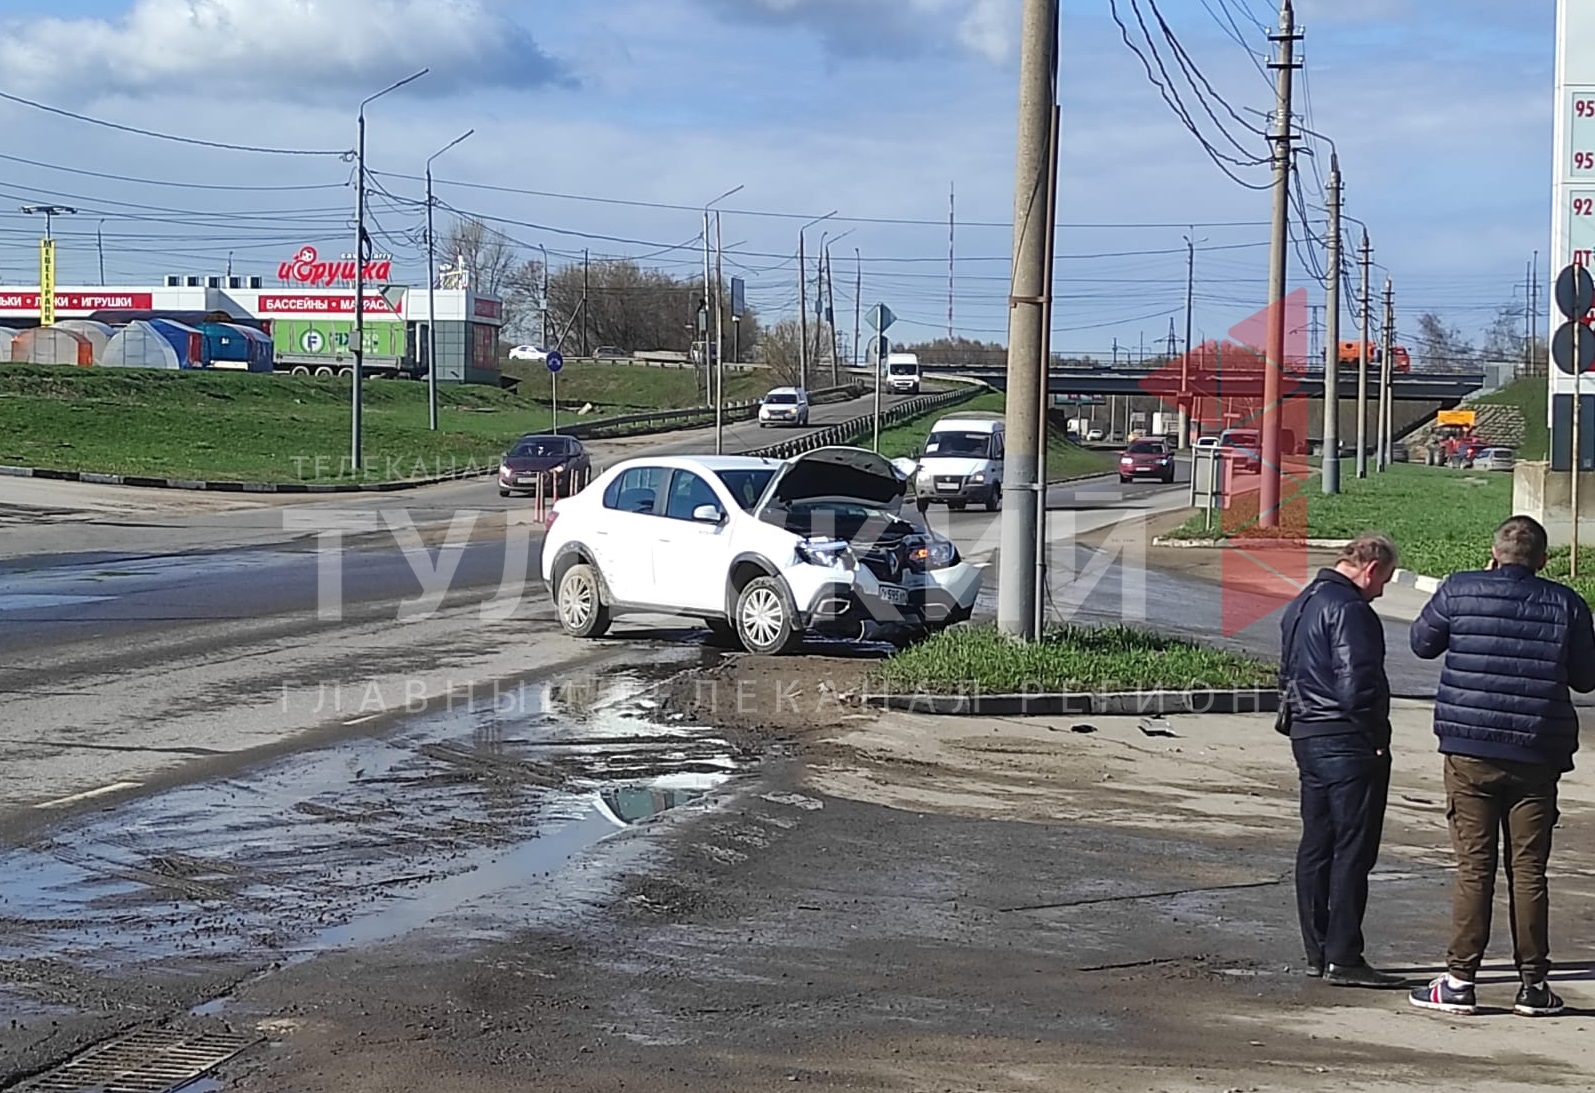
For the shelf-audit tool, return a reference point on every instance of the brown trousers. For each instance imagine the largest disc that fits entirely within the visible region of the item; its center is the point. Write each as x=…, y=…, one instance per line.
x=1486, y=799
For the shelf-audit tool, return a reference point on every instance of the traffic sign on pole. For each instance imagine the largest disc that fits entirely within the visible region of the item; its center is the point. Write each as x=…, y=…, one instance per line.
x=1575, y=292
x=881, y=318
x=555, y=361
x=1562, y=349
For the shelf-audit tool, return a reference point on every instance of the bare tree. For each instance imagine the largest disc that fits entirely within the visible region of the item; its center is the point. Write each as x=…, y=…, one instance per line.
x=496, y=269
x=634, y=309
x=1440, y=347
x=781, y=349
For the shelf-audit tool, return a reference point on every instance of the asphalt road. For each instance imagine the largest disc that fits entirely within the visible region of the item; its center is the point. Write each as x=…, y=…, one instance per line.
x=48, y=523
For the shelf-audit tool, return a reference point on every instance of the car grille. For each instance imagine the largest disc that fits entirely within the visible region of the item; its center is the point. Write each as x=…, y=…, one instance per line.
x=880, y=562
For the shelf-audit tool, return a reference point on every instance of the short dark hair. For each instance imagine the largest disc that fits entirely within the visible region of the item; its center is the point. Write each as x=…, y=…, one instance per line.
x=1521, y=541
x=1371, y=546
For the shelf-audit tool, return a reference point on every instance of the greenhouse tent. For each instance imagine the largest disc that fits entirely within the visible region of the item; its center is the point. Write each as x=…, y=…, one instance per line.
x=188, y=342
x=140, y=345
x=98, y=334
x=7, y=335
x=237, y=347
x=52, y=345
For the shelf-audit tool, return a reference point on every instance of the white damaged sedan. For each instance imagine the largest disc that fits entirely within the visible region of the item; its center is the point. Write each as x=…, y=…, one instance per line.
x=763, y=550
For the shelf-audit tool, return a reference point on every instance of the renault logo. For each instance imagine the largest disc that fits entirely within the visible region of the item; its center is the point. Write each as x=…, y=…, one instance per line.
x=893, y=566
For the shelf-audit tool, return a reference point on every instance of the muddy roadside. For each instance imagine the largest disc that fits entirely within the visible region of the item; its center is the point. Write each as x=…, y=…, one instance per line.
x=895, y=902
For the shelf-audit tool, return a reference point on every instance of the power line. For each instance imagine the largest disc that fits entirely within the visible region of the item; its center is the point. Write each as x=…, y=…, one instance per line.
x=174, y=182
x=169, y=136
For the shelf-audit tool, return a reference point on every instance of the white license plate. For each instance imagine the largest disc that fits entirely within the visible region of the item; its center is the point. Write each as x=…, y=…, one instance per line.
x=894, y=596
x=947, y=487
x=527, y=480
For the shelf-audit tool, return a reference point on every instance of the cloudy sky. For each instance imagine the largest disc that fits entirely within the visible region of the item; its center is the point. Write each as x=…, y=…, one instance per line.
x=606, y=125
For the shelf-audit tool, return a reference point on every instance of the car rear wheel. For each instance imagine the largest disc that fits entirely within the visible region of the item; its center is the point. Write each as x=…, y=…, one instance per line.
x=580, y=603
x=766, y=623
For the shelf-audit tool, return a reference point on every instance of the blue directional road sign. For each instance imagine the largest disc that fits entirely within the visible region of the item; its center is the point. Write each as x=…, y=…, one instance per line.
x=555, y=361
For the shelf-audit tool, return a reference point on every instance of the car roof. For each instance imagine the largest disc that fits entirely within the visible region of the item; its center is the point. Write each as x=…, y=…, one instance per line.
x=972, y=422
x=713, y=463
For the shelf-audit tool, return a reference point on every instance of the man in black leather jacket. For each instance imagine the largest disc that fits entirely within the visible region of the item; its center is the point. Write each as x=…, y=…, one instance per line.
x=1332, y=672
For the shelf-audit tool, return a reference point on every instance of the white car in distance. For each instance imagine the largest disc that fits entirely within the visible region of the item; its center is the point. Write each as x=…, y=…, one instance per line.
x=784, y=406
x=528, y=353
x=764, y=551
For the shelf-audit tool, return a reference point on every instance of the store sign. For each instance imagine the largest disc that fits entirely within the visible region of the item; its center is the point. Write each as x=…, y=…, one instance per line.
x=80, y=301
x=489, y=309
x=307, y=268
x=319, y=305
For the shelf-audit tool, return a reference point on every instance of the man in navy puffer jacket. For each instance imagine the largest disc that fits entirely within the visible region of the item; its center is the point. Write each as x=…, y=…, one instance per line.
x=1515, y=645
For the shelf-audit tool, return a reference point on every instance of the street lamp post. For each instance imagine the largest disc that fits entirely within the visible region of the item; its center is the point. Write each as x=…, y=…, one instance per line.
x=47, y=258
x=803, y=301
x=360, y=272
x=431, y=290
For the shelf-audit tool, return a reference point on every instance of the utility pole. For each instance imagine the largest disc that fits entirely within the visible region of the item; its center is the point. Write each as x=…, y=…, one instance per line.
x=719, y=343
x=1274, y=365
x=1386, y=360
x=431, y=291
x=952, y=238
x=587, y=284
x=1362, y=361
x=1039, y=623
x=1331, y=463
x=1185, y=361
x=1038, y=79
x=830, y=309
x=803, y=315
x=1534, y=308
x=544, y=345
x=858, y=303
x=99, y=244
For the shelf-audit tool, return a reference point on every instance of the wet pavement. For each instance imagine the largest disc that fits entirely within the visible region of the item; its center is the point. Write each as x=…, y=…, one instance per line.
x=444, y=821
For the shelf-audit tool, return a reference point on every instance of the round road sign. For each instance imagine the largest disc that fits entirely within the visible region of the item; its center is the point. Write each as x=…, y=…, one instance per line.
x=555, y=362
x=1562, y=349
x=1575, y=292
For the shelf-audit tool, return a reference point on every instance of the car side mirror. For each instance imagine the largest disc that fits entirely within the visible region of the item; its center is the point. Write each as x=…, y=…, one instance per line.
x=708, y=514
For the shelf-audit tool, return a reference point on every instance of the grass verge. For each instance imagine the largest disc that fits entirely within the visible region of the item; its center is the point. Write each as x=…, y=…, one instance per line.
x=621, y=387
x=1065, y=459
x=1531, y=396
x=238, y=426
x=1070, y=659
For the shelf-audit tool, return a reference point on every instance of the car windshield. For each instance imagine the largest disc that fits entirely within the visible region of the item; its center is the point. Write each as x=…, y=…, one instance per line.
x=781, y=398
x=903, y=369
x=1146, y=447
x=976, y=445
x=746, y=486
x=542, y=447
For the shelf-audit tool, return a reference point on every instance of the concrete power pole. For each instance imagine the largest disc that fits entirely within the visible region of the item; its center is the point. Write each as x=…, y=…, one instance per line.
x=1332, y=336
x=1274, y=367
x=1362, y=362
x=1185, y=361
x=1027, y=372
x=803, y=314
x=1386, y=361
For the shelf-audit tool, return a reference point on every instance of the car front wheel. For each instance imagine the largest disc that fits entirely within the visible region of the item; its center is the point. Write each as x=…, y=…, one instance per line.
x=994, y=499
x=765, y=622
x=580, y=603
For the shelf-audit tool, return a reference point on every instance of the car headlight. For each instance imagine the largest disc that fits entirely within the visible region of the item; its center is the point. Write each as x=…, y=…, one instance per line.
x=1125, y=459
x=977, y=478
x=504, y=470
x=937, y=554
x=829, y=553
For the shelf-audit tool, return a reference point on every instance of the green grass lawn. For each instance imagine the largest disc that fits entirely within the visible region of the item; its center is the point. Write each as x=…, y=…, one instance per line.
x=619, y=387
x=1070, y=659
x=238, y=426
x=1064, y=459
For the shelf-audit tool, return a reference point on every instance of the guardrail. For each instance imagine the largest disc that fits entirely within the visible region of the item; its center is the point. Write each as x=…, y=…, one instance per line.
x=850, y=430
x=694, y=415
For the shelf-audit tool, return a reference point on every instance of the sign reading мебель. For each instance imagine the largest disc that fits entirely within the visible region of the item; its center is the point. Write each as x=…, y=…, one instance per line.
x=1573, y=209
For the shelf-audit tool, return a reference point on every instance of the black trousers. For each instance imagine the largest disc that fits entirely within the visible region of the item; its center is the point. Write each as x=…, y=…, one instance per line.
x=1344, y=786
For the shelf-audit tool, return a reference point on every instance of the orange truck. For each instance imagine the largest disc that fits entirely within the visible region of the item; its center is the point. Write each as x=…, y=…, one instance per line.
x=1351, y=354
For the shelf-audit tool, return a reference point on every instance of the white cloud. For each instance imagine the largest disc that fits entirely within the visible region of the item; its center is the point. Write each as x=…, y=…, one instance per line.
x=856, y=28
x=282, y=49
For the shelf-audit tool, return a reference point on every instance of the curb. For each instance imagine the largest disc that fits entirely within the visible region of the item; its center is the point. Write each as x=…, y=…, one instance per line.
x=1124, y=704
x=1409, y=579
x=98, y=479
x=1249, y=544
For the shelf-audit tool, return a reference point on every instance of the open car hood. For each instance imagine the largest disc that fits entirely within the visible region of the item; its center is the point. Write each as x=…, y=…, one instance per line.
x=836, y=474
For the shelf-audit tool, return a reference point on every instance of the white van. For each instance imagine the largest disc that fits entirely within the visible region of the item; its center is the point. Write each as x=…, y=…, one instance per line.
x=962, y=463
x=902, y=373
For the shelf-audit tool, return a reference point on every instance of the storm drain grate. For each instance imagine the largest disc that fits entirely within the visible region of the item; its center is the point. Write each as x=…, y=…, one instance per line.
x=151, y=1061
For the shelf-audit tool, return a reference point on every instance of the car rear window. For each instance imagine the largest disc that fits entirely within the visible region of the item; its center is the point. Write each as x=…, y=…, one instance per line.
x=1146, y=447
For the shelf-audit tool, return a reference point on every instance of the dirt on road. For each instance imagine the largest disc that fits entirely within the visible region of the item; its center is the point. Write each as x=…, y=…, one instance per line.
x=905, y=903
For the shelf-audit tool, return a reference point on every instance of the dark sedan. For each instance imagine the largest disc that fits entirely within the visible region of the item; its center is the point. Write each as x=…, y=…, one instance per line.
x=560, y=463
x=1147, y=459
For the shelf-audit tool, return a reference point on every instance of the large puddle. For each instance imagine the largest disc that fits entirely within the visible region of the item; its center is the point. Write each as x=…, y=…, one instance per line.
x=448, y=818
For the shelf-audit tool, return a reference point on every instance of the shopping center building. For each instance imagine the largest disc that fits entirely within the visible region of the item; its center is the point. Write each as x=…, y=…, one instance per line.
x=308, y=310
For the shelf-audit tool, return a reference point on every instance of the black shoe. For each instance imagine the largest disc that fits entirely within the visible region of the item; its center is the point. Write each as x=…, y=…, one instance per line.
x=1441, y=995
x=1362, y=975
x=1315, y=970
x=1537, y=1001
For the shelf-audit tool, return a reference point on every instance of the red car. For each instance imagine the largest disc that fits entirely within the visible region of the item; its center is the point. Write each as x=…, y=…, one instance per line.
x=1147, y=459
